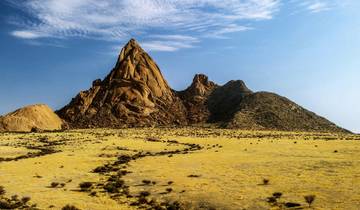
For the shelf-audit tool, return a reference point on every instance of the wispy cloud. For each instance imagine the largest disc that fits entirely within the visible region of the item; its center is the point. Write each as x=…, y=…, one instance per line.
x=161, y=25
x=316, y=6
x=26, y=34
x=178, y=23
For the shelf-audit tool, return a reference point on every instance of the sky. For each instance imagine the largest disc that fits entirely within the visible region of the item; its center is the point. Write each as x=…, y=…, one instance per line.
x=305, y=50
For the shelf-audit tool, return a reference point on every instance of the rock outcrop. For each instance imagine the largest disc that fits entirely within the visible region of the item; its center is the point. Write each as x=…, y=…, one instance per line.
x=136, y=94
x=195, y=99
x=34, y=117
x=224, y=101
x=133, y=94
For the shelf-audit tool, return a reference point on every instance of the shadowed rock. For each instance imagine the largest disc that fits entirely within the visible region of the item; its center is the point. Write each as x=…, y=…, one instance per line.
x=195, y=98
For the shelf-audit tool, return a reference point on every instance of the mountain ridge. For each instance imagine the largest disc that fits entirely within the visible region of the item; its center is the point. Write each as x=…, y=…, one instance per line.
x=135, y=94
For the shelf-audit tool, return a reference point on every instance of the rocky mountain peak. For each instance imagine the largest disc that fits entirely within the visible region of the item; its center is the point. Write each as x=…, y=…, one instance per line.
x=135, y=66
x=134, y=93
x=200, y=87
x=132, y=47
x=195, y=98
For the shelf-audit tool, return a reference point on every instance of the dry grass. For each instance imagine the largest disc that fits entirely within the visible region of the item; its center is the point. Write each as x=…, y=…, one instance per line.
x=223, y=169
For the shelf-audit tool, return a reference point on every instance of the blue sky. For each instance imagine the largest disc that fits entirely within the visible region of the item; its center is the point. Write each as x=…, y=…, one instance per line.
x=306, y=50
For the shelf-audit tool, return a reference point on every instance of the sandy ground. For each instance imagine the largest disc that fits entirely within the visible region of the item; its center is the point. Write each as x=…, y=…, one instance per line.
x=225, y=172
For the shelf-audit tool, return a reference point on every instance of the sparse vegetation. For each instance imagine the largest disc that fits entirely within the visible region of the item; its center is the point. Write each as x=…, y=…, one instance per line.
x=70, y=207
x=144, y=193
x=128, y=174
x=25, y=199
x=309, y=199
x=54, y=184
x=15, y=203
x=194, y=176
x=265, y=181
x=85, y=186
x=291, y=205
x=2, y=191
x=146, y=182
x=277, y=195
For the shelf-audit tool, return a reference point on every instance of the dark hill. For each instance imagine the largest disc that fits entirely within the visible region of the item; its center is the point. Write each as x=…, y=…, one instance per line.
x=263, y=110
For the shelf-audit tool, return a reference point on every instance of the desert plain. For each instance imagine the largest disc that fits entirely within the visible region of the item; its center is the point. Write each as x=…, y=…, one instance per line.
x=186, y=168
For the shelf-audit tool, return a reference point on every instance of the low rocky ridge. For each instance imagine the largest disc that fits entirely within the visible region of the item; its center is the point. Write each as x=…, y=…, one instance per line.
x=34, y=117
x=136, y=94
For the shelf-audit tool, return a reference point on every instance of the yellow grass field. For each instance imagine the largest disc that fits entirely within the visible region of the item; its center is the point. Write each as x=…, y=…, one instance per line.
x=187, y=168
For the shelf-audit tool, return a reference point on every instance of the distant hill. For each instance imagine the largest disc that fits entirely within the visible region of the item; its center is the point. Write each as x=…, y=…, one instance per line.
x=34, y=117
x=136, y=94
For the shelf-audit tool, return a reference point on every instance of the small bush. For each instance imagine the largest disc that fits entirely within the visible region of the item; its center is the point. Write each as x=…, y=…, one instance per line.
x=15, y=198
x=5, y=205
x=271, y=199
x=291, y=205
x=112, y=187
x=69, y=207
x=2, y=190
x=147, y=182
x=25, y=199
x=266, y=181
x=144, y=193
x=277, y=195
x=54, y=184
x=309, y=199
x=84, y=186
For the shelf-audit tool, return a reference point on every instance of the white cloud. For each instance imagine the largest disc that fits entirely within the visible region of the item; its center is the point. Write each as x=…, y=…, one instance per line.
x=169, y=43
x=178, y=21
x=159, y=46
x=318, y=7
x=166, y=25
x=232, y=28
x=26, y=34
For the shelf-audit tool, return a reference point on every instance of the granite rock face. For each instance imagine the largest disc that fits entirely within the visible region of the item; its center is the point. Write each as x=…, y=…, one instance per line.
x=195, y=99
x=135, y=94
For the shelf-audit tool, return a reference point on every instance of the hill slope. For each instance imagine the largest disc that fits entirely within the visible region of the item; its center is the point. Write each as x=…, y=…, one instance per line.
x=264, y=110
x=31, y=117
